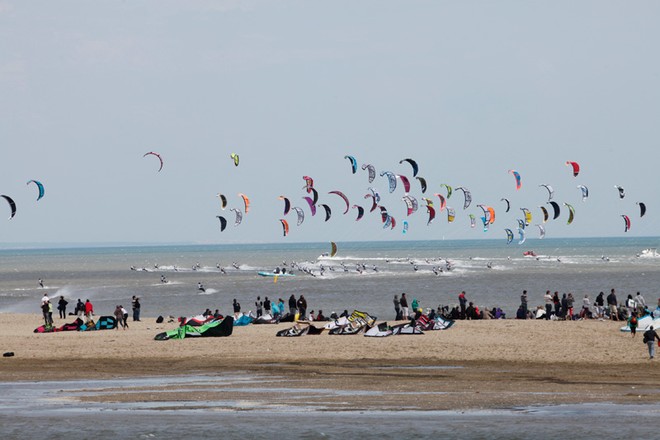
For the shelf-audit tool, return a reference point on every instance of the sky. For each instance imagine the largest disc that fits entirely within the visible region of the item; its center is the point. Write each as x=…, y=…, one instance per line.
x=468, y=89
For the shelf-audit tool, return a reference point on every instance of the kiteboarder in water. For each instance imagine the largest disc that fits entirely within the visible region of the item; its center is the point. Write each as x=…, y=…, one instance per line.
x=200, y=286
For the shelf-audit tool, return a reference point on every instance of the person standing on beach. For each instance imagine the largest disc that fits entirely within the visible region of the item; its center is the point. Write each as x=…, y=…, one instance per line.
x=523, y=303
x=61, y=306
x=586, y=307
x=557, y=304
x=564, y=306
x=599, y=302
x=548, y=304
x=80, y=308
x=237, y=308
x=649, y=337
x=44, y=310
x=266, y=305
x=89, y=310
x=462, y=300
x=302, y=306
x=404, y=307
x=641, y=303
x=397, y=308
x=569, y=302
x=119, y=318
x=612, y=303
x=632, y=323
x=293, y=305
x=135, y=304
x=259, y=304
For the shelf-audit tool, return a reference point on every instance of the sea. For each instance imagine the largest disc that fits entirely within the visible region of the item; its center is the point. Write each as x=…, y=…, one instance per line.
x=360, y=276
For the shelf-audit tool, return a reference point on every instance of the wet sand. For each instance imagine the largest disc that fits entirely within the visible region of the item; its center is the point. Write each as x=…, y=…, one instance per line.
x=473, y=365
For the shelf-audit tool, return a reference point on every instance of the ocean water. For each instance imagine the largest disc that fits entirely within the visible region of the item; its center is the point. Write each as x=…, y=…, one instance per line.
x=491, y=272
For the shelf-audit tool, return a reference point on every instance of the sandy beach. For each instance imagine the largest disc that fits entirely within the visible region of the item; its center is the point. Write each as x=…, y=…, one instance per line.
x=484, y=364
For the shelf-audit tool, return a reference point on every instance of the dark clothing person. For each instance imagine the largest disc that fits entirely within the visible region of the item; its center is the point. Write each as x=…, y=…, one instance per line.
x=136, y=308
x=302, y=306
x=237, y=307
x=397, y=308
x=61, y=306
x=462, y=300
x=267, y=305
x=293, y=305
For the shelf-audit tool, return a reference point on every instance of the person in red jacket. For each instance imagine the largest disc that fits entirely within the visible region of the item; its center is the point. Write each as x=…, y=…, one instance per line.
x=89, y=310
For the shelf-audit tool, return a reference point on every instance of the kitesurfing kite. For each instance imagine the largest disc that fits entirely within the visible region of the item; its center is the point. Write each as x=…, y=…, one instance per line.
x=412, y=163
x=371, y=170
x=528, y=216
x=360, y=210
x=551, y=192
x=642, y=209
x=431, y=212
x=468, y=196
x=223, y=222
x=328, y=211
x=40, y=187
x=443, y=202
x=246, y=202
x=405, y=181
x=541, y=231
x=556, y=209
x=545, y=213
x=354, y=164
x=626, y=220
x=158, y=156
x=239, y=216
x=234, y=157
x=405, y=227
x=508, y=205
x=309, y=183
x=521, y=236
x=473, y=221
x=516, y=174
x=571, y=213
x=422, y=182
x=509, y=236
x=411, y=203
x=575, y=166
x=622, y=192
x=12, y=205
x=391, y=179
x=285, y=226
x=312, y=206
x=374, y=203
x=301, y=215
x=343, y=196
x=448, y=189
x=287, y=204
x=585, y=192
x=223, y=200
x=451, y=214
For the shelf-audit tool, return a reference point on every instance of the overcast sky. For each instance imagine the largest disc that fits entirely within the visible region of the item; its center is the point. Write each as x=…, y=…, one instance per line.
x=469, y=89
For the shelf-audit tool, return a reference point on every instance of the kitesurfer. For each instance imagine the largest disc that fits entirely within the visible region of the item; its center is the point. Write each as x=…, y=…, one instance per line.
x=41, y=283
x=163, y=279
x=200, y=287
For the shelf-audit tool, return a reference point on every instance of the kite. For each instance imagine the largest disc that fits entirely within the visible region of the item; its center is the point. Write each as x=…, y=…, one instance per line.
x=234, y=157
x=521, y=223
x=411, y=204
x=12, y=205
x=388, y=222
x=354, y=164
x=448, y=189
x=626, y=220
x=431, y=212
x=309, y=183
x=516, y=174
x=158, y=156
x=575, y=166
x=451, y=214
x=223, y=200
x=246, y=201
x=528, y=216
x=40, y=187
x=316, y=195
x=642, y=209
x=551, y=192
x=360, y=211
x=545, y=213
x=405, y=227
x=239, y=216
x=509, y=236
x=555, y=207
x=287, y=204
x=223, y=222
x=585, y=192
x=406, y=183
x=443, y=202
x=328, y=211
x=508, y=205
x=343, y=196
x=473, y=223
x=333, y=248
x=301, y=215
x=371, y=170
x=391, y=179
x=375, y=193
x=383, y=214
x=622, y=192
x=571, y=213
x=422, y=182
x=312, y=206
x=468, y=196
x=521, y=236
x=374, y=204
x=541, y=231
x=285, y=226
x=413, y=164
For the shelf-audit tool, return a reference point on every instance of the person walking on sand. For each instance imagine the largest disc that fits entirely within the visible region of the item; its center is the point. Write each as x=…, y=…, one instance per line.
x=632, y=323
x=649, y=337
